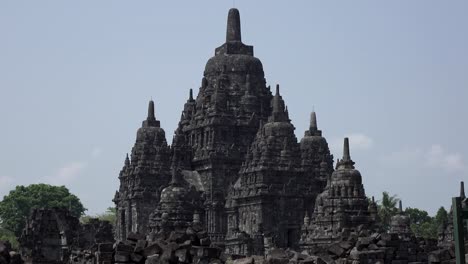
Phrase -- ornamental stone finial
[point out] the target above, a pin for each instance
(127, 160)
(175, 179)
(346, 155)
(233, 31)
(151, 119)
(151, 115)
(313, 121)
(462, 190)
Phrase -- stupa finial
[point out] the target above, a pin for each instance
(233, 31)
(462, 190)
(346, 155)
(151, 115)
(313, 121)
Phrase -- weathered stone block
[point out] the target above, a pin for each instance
(272, 260)
(178, 237)
(140, 245)
(105, 247)
(209, 252)
(336, 250)
(346, 245)
(137, 258)
(152, 249)
(121, 246)
(399, 262)
(121, 256)
(182, 255)
(205, 241)
(248, 260)
(153, 259)
(279, 253)
(103, 256)
(135, 236)
(373, 247)
(202, 234)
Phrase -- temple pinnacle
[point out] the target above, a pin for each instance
(127, 160)
(277, 90)
(313, 121)
(462, 190)
(191, 95)
(151, 111)
(400, 206)
(346, 156)
(175, 177)
(233, 31)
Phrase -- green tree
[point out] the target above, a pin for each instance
(441, 217)
(387, 208)
(7, 235)
(422, 224)
(16, 206)
(108, 215)
(425, 230)
(417, 216)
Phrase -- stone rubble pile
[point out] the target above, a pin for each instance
(386, 248)
(190, 246)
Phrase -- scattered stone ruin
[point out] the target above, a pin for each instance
(48, 235)
(52, 235)
(235, 186)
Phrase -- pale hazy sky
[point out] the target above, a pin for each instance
(76, 76)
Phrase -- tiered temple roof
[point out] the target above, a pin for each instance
(341, 208)
(142, 177)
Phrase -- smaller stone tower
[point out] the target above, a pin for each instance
(342, 208)
(401, 223)
(142, 177)
(177, 205)
(317, 162)
(270, 185)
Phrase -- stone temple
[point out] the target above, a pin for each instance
(235, 145)
(234, 186)
(236, 179)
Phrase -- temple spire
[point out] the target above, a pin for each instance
(400, 206)
(191, 95)
(175, 166)
(313, 121)
(127, 160)
(462, 190)
(151, 119)
(346, 155)
(233, 31)
(277, 90)
(151, 115)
